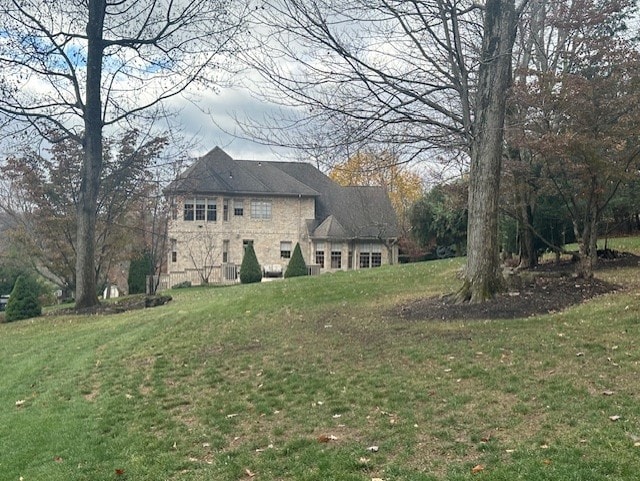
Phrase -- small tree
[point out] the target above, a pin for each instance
(250, 270)
(139, 269)
(23, 302)
(297, 266)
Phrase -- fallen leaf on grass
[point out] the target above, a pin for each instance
(377, 479)
(323, 438)
(119, 472)
(20, 403)
(608, 393)
(249, 473)
(373, 449)
(57, 459)
(547, 462)
(615, 417)
(477, 469)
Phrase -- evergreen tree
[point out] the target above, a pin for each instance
(24, 302)
(140, 268)
(250, 270)
(297, 266)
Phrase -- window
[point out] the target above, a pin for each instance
(174, 256)
(365, 260)
(350, 260)
(188, 210)
(212, 213)
(238, 207)
(370, 256)
(200, 208)
(261, 209)
(320, 254)
(285, 249)
(225, 209)
(246, 243)
(225, 251)
(174, 250)
(336, 259)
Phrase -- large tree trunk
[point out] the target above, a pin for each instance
(86, 294)
(483, 278)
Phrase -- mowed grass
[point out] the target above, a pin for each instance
(246, 382)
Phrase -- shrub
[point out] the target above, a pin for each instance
(297, 266)
(139, 269)
(250, 270)
(181, 285)
(23, 302)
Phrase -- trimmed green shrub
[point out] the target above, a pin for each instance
(250, 270)
(297, 266)
(23, 302)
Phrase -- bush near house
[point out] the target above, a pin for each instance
(24, 302)
(297, 266)
(250, 270)
(140, 268)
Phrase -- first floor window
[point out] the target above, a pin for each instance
(285, 249)
(261, 209)
(320, 254)
(225, 251)
(370, 256)
(174, 250)
(336, 256)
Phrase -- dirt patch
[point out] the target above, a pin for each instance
(551, 287)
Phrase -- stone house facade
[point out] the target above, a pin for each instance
(219, 205)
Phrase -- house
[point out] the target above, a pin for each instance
(220, 205)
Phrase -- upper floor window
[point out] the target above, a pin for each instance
(238, 207)
(200, 210)
(225, 209)
(261, 209)
(189, 210)
(212, 212)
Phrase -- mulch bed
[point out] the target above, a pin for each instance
(551, 287)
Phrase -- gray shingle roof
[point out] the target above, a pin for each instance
(341, 212)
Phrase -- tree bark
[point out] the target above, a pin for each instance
(483, 278)
(86, 293)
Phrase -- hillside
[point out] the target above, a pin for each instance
(322, 378)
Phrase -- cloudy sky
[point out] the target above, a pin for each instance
(211, 122)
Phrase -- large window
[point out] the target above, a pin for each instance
(200, 210)
(285, 249)
(370, 256)
(320, 254)
(336, 256)
(261, 209)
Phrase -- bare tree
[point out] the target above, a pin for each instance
(422, 74)
(78, 67)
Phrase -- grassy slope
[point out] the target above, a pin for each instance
(227, 381)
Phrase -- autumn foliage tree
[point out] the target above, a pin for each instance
(369, 168)
(45, 218)
(582, 116)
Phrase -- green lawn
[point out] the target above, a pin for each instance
(244, 382)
